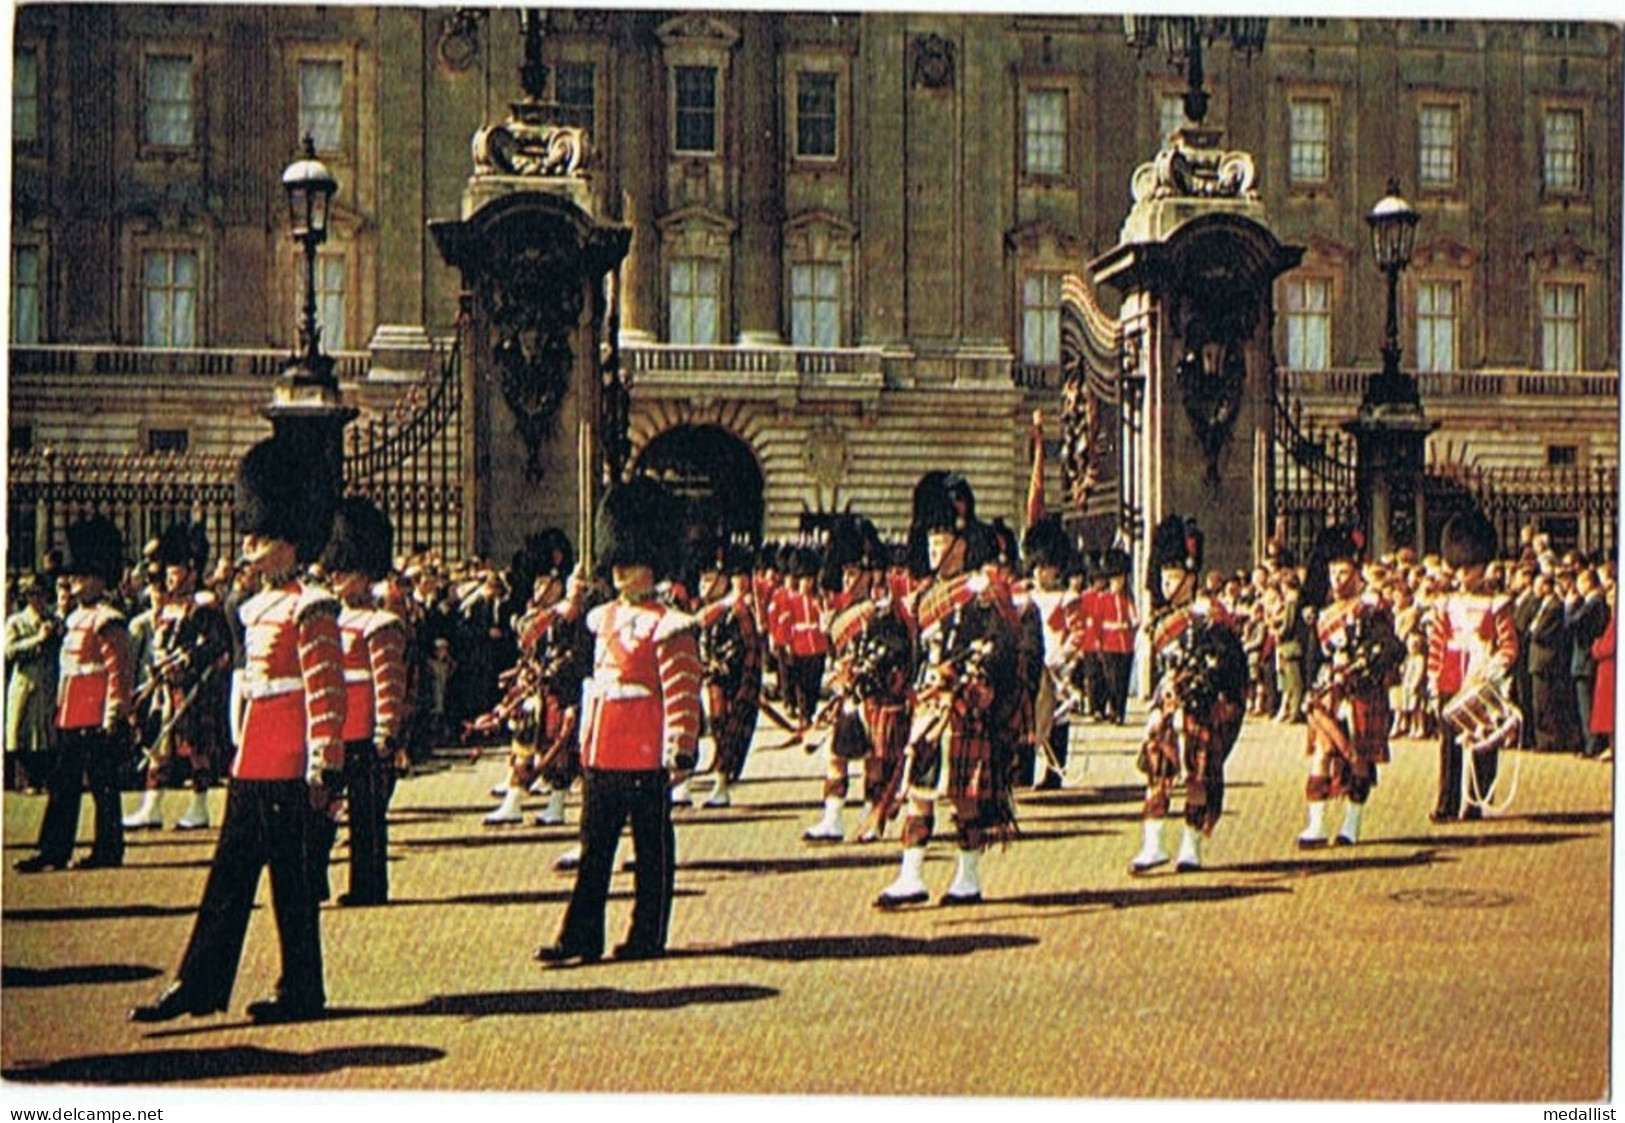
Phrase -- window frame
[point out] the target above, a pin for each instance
(1328, 104)
(817, 69)
(1458, 115)
(695, 262)
(1048, 312)
(42, 311)
(312, 58)
(1548, 111)
(676, 70)
(1543, 319)
(1296, 284)
(836, 305)
(171, 249)
(590, 66)
(1062, 134)
(34, 144)
(145, 145)
(1457, 321)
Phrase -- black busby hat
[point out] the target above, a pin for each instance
(183, 544)
(853, 541)
(637, 524)
(362, 540)
(1177, 542)
(1114, 563)
(944, 501)
(732, 558)
(551, 554)
(1469, 539)
(1339, 543)
(95, 549)
(279, 496)
(1002, 547)
(1046, 543)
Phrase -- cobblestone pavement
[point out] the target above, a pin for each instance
(1460, 962)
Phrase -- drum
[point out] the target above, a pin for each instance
(1483, 718)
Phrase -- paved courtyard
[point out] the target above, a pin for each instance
(1462, 962)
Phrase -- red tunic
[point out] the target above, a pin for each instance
(804, 624)
(293, 679)
(93, 688)
(373, 643)
(642, 705)
(1115, 621)
(1602, 701)
(1470, 632)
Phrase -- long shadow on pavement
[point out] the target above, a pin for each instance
(867, 946)
(75, 974)
(170, 1066)
(1567, 818)
(1149, 895)
(1493, 838)
(539, 897)
(1313, 867)
(98, 912)
(878, 857)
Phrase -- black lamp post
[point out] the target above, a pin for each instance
(1182, 37)
(1393, 238)
(310, 187)
(306, 406)
(1390, 429)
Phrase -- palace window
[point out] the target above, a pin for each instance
(25, 104)
(169, 297)
(815, 305)
(574, 90)
(1311, 140)
(816, 121)
(1041, 320)
(1309, 323)
(330, 302)
(321, 103)
(1045, 119)
(1435, 27)
(1170, 115)
(174, 441)
(168, 101)
(696, 301)
(27, 295)
(1560, 151)
(1562, 456)
(1436, 145)
(1560, 322)
(696, 109)
(1437, 320)
(1564, 31)
(1307, 22)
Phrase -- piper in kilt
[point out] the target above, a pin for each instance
(966, 697)
(1348, 710)
(873, 642)
(1197, 705)
(731, 654)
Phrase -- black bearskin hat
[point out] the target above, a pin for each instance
(732, 558)
(95, 549)
(1469, 539)
(944, 501)
(638, 524)
(1046, 543)
(1114, 563)
(185, 544)
(278, 496)
(853, 541)
(1334, 543)
(1177, 542)
(1002, 547)
(362, 540)
(551, 554)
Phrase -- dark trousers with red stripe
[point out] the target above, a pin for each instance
(267, 823)
(609, 799)
(369, 781)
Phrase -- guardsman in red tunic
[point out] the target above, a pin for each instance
(1118, 621)
(290, 757)
(1049, 555)
(1198, 703)
(1472, 645)
(641, 722)
(1359, 659)
(373, 645)
(93, 704)
(191, 666)
(802, 625)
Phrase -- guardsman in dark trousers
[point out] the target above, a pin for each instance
(642, 722)
(730, 652)
(290, 754)
(93, 703)
(373, 643)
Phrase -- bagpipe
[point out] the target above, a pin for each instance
(156, 711)
(1198, 674)
(1366, 663)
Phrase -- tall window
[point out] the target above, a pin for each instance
(573, 89)
(1437, 320)
(27, 306)
(696, 109)
(1436, 26)
(330, 303)
(169, 298)
(815, 114)
(321, 103)
(815, 305)
(1560, 336)
(25, 95)
(1046, 132)
(1564, 31)
(1309, 324)
(696, 301)
(1560, 150)
(1170, 115)
(1041, 319)
(168, 108)
(1436, 136)
(1311, 140)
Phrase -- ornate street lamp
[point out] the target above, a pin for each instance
(1182, 39)
(310, 187)
(1393, 238)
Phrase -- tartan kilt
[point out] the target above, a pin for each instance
(1373, 717)
(733, 724)
(974, 770)
(888, 725)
